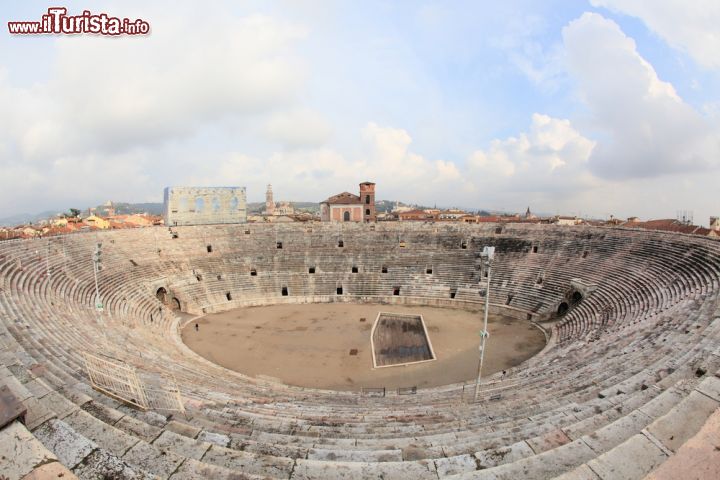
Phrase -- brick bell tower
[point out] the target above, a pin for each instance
(367, 198)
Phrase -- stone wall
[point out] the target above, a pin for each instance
(204, 205)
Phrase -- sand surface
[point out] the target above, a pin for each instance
(310, 345)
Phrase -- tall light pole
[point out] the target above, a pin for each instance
(486, 257)
(97, 266)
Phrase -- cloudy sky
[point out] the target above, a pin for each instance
(591, 108)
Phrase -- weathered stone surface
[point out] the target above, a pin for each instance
(150, 459)
(54, 470)
(37, 413)
(104, 464)
(455, 465)
(683, 421)
(214, 438)
(104, 413)
(545, 465)
(499, 456)
(69, 446)
(106, 436)
(699, 457)
(187, 447)
(617, 432)
(583, 472)
(20, 452)
(355, 455)
(193, 470)
(633, 458)
(249, 463)
(204, 205)
(315, 470)
(710, 387)
(137, 428)
(550, 440)
(184, 429)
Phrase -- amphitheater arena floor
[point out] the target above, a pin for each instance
(309, 345)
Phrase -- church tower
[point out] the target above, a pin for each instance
(367, 199)
(269, 202)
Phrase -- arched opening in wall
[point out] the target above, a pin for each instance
(396, 291)
(562, 309)
(253, 272)
(341, 244)
(162, 295)
(278, 245)
(215, 204)
(339, 290)
(453, 291)
(535, 249)
(175, 305)
(209, 248)
(428, 271)
(228, 295)
(346, 216)
(498, 230)
(354, 270)
(367, 200)
(576, 297)
(367, 211)
(311, 270)
(383, 269)
(463, 244)
(199, 205)
(284, 291)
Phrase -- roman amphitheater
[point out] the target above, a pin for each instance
(623, 383)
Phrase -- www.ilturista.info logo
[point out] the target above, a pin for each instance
(57, 21)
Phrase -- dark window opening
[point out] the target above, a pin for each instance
(228, 296)
(253, 273)
(485, 273)
(384, 269)
(585, 254)
(452, 293)
(209, 248)
(311, 270)
(367, 211)
(529, 316)
(498, 230)
(247, 232)
(346, 217)
(161, 294)
(539, 281)
(562, 309)
(219, 277)
(279, 244)
(428, 271)
(284, 291)
(509, 299)
(463, 244)
(367, 200)
(354, 270)
(198, 277)
(339, 290)
(396, 291)
(576, 297)
(535, 248)
(341, 244)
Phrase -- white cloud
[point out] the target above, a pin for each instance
(551, 151)
(688, 26)
(645, 128)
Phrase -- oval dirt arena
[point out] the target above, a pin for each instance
(328, 345)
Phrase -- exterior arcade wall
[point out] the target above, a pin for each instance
(204, 205)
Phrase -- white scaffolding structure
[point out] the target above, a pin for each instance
(120, 380)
